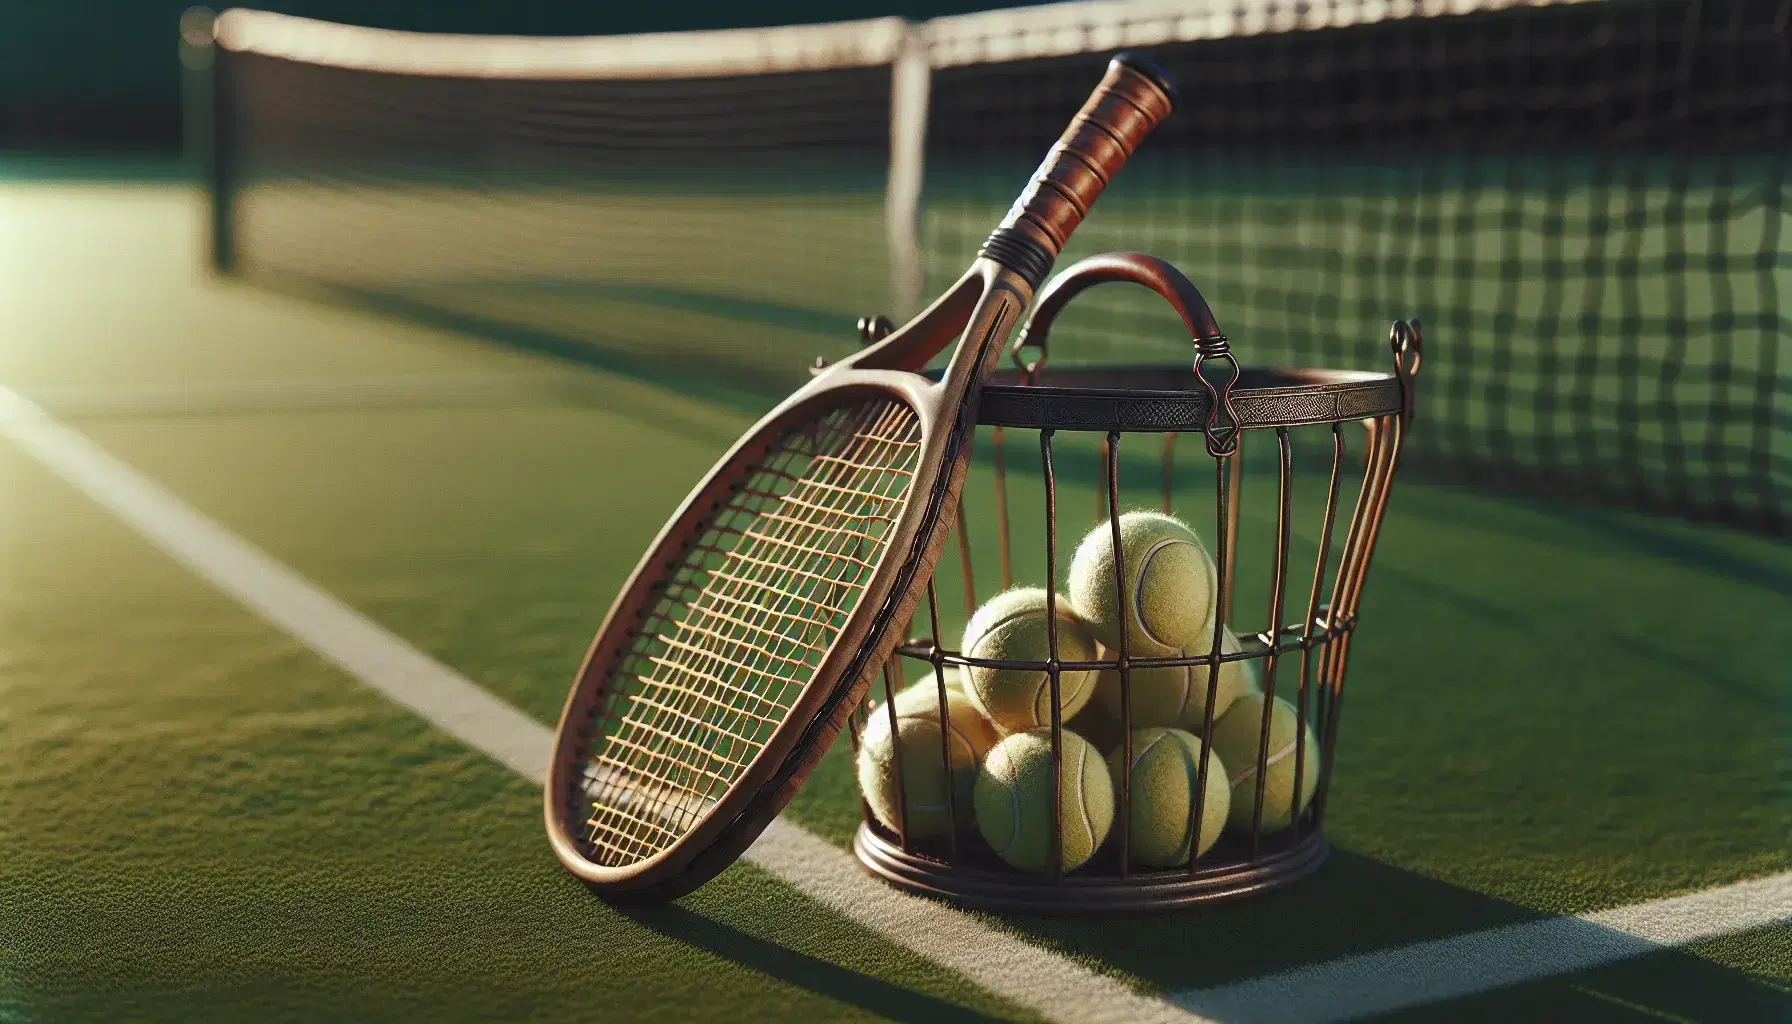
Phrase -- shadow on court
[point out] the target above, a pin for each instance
(1580, 528)
(1351, 904)
(1355, 905)
(812, 974)
(742, 384)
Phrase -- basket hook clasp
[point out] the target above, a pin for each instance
(1221, 428)
(1211, 348)
(1408, 344)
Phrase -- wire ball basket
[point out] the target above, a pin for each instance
(1101, 431)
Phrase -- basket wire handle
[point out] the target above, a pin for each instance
(1211, 347)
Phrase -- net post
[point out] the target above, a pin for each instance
(205, 126)
(220, 165)
(911, 76)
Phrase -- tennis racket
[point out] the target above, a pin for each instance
(754, 624)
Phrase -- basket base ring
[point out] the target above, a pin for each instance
(1000, 890)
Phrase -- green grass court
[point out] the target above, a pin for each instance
(1613, 323)
(1551, 710)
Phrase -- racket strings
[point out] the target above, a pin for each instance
(681, 801)
(813, 579)
(823, 484)
(743, 622)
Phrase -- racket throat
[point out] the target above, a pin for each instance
(1018, 251)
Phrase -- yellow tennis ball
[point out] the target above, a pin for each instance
(1013, 795)
(1166, 767)
(1012, 627)
(1170, 585)
(969, 736)
(1237, 739)
(1176, 695)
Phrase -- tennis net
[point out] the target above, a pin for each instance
(1583, 201)
(631, 198)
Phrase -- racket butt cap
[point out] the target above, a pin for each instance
(1148, 69)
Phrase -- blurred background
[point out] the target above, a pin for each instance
(1583, 201)
(448, 327)
(101, 76)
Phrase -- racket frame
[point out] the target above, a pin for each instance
(979, 312)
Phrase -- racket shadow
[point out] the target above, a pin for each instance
(812, 974)
(746, 388)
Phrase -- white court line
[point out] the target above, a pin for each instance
(1431, 972)
(1049, 985)
(1052, 986)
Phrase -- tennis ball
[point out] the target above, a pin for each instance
(1176, 695)
(1013, 796)
(1012, 626)
(1236, 739)
(924, 775)
(1166, 766)
(1170, 585)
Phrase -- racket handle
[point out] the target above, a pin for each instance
(1132, 98)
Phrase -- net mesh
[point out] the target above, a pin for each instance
(741, 622)
(1584, 203)
(567, 200)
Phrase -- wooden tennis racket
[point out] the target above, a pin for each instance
(754, 624)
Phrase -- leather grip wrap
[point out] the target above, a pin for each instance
(1131, 99)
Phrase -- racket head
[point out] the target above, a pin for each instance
(730, 648)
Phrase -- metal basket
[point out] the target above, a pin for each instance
(1304, 652)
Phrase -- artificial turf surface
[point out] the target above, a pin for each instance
(1550, 710)
(1618, 329)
